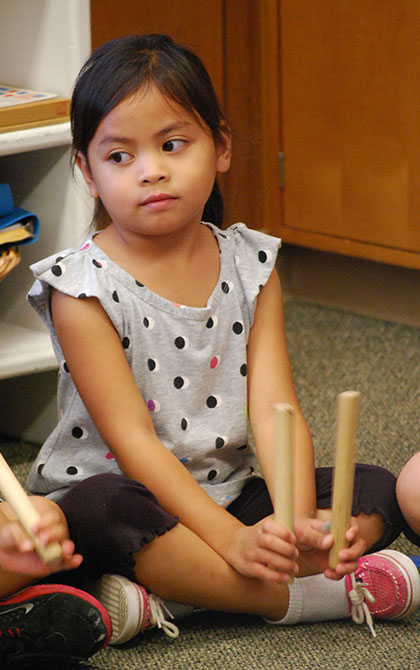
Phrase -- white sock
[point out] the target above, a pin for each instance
(316, 599)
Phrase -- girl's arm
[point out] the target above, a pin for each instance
(104, 380)
(269, 382)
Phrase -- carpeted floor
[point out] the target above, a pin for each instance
(331, 351)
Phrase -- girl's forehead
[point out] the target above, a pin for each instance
(151, 104)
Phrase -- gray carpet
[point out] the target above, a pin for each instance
(331, 351)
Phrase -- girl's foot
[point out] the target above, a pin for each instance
(131, 608)
(386, 585)
(51, 622)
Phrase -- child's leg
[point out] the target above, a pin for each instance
(408, 494)
(180, 566)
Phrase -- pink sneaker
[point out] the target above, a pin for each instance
(386, 585)
(131, 608)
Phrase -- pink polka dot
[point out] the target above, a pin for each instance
(176, 304)
(214, 362)
(109, 456)
(85, 246)
(151, 405)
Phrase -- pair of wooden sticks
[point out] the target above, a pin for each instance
(345, 455)
(346, 430)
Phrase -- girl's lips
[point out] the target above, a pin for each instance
(159, 201)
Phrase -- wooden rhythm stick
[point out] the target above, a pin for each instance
(28, 516)
(345, 455)
(284, 509)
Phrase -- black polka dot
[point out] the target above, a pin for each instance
(212, 474)
(262, 256)
(211, 402)
(56, 270)
(139, 283)
(82, 295)
(40, 468)
(146, 322)
(237, 327)
(210, 323)
(151, 364)
(244, 446)
(178, 382)
(72, 470)
(179, 342)
(115, 297)
(59, 258)
(243, 370)
(225, 287)
(184, 424)
(65, 367)
(77, 432)
(126, 342)
(96, 263)
(219, 442)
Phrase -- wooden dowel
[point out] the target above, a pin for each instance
(22, 506)
(284, 486)
(345, 457)
(284, 508)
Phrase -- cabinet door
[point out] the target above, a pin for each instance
(350, 88)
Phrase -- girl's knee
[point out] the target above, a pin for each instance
(408, 492)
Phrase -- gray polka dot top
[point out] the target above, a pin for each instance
(189, 364)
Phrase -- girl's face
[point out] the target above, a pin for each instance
(153, 165)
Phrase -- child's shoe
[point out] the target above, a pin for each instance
(386, 585)
(51, 623)
(131, 608)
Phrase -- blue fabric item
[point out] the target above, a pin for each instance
(9, 214)
(416, 561)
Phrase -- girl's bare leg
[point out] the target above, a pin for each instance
(180, 566)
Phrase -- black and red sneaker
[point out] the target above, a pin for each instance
(51, 623)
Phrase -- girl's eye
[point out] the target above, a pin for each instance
(119, 157)
(173, 145)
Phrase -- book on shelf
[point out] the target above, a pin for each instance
(17, 225)
(17, 233)
(21, 108)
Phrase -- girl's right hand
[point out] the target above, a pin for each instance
(266, 550)
(17, 550)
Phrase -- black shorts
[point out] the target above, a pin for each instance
(112, 517)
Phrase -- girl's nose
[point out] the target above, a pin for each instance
(152, 170)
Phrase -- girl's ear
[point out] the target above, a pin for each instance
(83, 165)
(224, 149)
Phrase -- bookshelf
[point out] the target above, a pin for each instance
(43, 47)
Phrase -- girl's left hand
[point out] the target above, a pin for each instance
(314, 540)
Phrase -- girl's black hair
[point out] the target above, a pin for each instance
(118, 69)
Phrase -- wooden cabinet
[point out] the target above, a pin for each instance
(350, 118)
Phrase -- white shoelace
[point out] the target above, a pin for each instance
(359, 610)
(158, 617)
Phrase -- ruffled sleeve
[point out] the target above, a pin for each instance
(81, 273)
(255, 259)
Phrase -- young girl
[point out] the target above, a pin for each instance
(169, 334)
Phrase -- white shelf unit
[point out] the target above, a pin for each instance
(44, 43)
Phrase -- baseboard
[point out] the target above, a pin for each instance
(353, 284)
